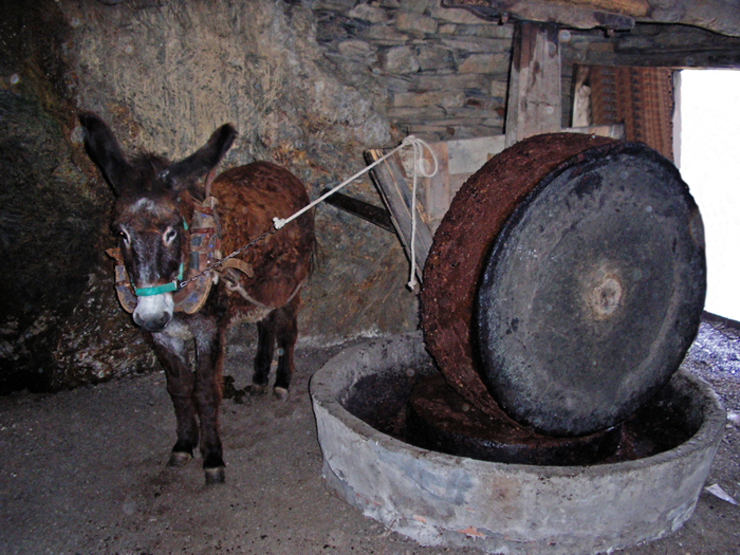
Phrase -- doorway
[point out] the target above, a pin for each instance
(707, 152)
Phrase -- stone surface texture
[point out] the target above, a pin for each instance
(463, 239)
(309, 84)
(74, 490)
(436, 72)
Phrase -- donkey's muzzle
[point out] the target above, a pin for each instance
(153, 313)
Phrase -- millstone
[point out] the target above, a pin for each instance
(567, 283)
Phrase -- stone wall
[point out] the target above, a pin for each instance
(436, 72)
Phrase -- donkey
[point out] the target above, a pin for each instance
(162, 218)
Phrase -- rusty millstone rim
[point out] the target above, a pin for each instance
(465, 236)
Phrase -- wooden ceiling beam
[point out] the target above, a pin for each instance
(719, 16)
(675, 46)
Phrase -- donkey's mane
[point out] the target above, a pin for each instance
(147, 168)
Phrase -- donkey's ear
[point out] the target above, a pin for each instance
(186, 173)
(103, 149)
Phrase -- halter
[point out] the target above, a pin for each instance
(167, 287)
(159, 289)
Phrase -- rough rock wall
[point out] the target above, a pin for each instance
(164, 74)
(50, 216)
(309, 84)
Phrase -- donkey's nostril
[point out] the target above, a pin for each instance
(153, 324)
(158, 324)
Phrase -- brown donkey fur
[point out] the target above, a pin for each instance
(154, 205)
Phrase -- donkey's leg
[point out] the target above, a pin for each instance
(209, 341)
(265, 351)
(286, 332)
(172, 354)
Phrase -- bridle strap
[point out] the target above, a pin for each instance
(159, 289)
(165, 288)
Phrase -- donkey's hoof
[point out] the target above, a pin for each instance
(256, 389)
(280, 393)
(215, 475)
(179, 459)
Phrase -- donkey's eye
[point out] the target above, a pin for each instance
(169, 235)
(124, 236)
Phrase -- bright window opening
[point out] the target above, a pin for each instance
(708, 155)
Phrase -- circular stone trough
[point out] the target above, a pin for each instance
(440, 499)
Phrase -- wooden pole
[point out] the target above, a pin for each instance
(534, 104)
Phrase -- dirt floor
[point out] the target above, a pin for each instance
(82, 472)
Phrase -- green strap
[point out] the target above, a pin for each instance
(159, 289)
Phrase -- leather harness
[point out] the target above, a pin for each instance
(205, 251)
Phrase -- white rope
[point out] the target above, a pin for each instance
(419, 168)
(278, 222)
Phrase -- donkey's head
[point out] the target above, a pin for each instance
(148, 217)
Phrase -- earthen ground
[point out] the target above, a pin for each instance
(83, 472)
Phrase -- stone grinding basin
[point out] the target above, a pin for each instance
(440, 499)
(563, 288)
